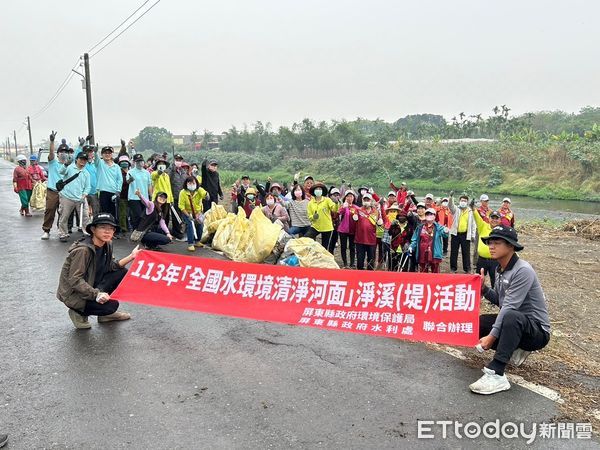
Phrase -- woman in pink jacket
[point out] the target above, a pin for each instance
(347, 227)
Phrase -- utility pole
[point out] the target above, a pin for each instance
(30, 142)
(16, 148)
(88, 96)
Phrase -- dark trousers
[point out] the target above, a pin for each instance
(489, 268)
(347, 242)
(108, 283)
(325, 236)
(456, 242)
(108, 205)
(517, 331)
(300, 231)
(136, 209)
(368, 251)
(176, 227)
(153, 239)
(332, 241)
(93, 204)
(380, 252)
(445, 245)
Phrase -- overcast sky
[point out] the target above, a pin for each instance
(192, 64)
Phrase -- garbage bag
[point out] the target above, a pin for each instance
(310, 253)
(263, 235)
(38, 196)
(211, 221)
(238, 237)
(282, 240)
(223, 232)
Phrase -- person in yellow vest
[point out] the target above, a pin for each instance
(190, 205)
(484, 258)
(160, 180)
(462, 232)
(319, 212)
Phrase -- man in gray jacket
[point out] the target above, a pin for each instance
(523, 324)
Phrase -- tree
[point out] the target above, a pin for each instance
(194, 139)
(155, 139)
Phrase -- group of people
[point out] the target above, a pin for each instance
(154, 199)
(397, 232)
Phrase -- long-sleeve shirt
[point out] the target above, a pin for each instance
(141, 181)
(110, 178)
(23, 179)
(365, 232)
(518, 288)
(161, 183)
(80, 186)
(91, 168)
(483, 230)
(150, 209)
(298, 214)
(323, 208)
(191, 202)
(36, 172)
(211, 182)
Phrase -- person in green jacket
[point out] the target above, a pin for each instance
(319, 212)
(484, 258)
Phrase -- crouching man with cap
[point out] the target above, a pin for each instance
(523, 324)
(90, 274)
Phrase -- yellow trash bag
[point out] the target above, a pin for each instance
(223, 232)
(38, 196)
(263, 235)
(238, 238)
(211, 219)
(311, 254)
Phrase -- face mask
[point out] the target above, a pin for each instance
(250, 197)
(194, 171)
(444, 203)
(318, 192)
(366, 203)
(62, 157)
(429, 218)
(462, 204)
(70, 157)
(298, 194)
(392, 215)
(178, 163)
(124, 165)
(270, 202)
(22, 163)
(162, 167)
(191, 187)
(139, 164)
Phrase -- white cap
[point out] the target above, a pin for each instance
(429, 196)
(21, 158)
(484, 198)
(506, 199)
(334, 191)
(430, 211)
(367, 196)
(391, 193)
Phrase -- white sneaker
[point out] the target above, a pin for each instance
(490, 383)
(518, 357)
(45, 236)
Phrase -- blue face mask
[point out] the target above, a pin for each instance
(318, 192)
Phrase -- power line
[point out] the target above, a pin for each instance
(125, 29)
(117, 27)
(61, 88)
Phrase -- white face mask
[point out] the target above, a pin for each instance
(250, 197)
(318, 192)
(462, 204)
(444, 203)
(162, 167)
(366, 203)
(270, 202)
(191, 187)
(194, 171)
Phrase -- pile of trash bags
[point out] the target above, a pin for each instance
(258, 240)
(38, 196)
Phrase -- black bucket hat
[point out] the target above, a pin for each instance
(509, 234)
(102, 218)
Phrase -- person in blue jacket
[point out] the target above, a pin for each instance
(110, 182)
(427, 243)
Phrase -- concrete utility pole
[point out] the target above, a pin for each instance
(30, 142)
(16, 148)
(88, 96)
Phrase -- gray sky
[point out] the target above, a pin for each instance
(192, 64)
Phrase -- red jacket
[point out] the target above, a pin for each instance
(23, 179)
(37, 173)
(365, 232)
(249, 206)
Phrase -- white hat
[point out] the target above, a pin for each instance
(430, 211)
(506, 199)
(21, 158)
(429, 196)
(367, 195)
(484, 198)
(334, 191)
(391, 193)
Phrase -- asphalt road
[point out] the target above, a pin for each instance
(175, 380)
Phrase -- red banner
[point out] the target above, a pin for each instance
(441, 308)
